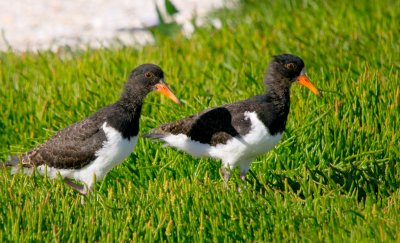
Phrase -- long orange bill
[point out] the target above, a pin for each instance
(163, 88)
(305, 81)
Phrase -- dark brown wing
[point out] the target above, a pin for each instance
(72, 148)
(212, 126)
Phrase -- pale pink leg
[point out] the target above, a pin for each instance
(243, 175)
(243, 172)
(226, 173)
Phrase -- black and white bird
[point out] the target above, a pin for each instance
(237, 133)
(87, 150)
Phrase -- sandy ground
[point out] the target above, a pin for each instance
(48, 24)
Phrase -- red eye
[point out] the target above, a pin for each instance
(290, 66)
(148, 75)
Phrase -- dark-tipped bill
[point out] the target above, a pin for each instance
(163, 88)
(305, 81)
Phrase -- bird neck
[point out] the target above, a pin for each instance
(126, 118)
(278, 94)
(277, 89)
(132, 96)
(129, 107)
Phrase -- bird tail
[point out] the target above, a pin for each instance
(15, 163)
(152, 135)
(155, 133)
(12, 161)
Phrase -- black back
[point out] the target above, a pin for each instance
(218, 125)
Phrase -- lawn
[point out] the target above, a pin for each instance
(334, 176)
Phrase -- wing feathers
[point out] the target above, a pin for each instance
(212, 126)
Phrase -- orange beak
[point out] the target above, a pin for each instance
(305, 81)
(163, 88)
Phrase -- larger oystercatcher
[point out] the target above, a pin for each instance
(238, 132)
(87, 150)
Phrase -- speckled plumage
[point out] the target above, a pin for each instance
(113, 129)
(75, 146)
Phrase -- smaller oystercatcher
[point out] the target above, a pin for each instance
(87, 150)
(239, 132)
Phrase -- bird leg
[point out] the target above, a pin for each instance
(226, 173)
(243, 172)
(80, 188)
(243, 175)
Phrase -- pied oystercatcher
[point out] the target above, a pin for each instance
(237, 133)
(87, 150)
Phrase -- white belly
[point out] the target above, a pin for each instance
(237, 151)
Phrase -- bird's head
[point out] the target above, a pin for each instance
(146, 78)
(286, 69)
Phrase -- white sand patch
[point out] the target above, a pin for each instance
(48, 24)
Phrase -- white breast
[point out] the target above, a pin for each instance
(238, 150)
(114, 150)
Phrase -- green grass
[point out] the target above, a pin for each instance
(334, 176)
